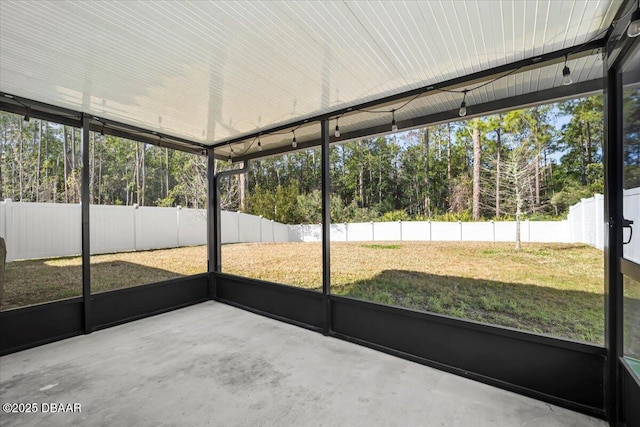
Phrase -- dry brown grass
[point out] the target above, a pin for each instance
(546, 288)
(549, 288)
(36, 281)
(559, 266)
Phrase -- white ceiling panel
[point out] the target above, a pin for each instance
(212, 71)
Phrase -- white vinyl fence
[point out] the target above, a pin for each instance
(587, 222)
(631, 203)
(490, 231)
(47, 230)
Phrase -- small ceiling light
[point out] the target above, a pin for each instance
(337, 132)
(294, 143)
(230, 153)
(229, 161)
(394, 125)
(463, 107)
(102, 130)
(566, 73)
(27, 115)
(259, 145)
(634, 25)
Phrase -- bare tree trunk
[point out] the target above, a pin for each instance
(136, 173)
(37, 189)
(427, 201)
(589, 151)
(519, 201)
(166, 170)
(449, 153)
(73, 148)
(242, 186)
(537, 181)
(583, 163)
(380, 178)
(64, 164)
(92, 168)
(20, 165)
(439, 147)
(477, 160)
(47, 192)
(313, 168)
(361, 175)
(498, 162)
(100, 178)
(537, 147)
(144, 173)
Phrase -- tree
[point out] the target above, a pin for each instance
(518, 168)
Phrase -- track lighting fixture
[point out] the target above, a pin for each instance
(634, 25)
(259, 145)
(337, 132)
(27, 115)
(394, 125)
(230, 153)
(294, 143)
(463, 106)
(566, 73)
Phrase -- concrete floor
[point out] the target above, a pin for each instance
(212, 364)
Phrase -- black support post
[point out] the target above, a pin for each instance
(613, 239)
(85, 202)
(326, 225)
(213, 235)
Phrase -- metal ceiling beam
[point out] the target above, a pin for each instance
(39, 110)
(480, 76)
(535, 98)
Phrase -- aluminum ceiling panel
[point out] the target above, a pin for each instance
(211, 71)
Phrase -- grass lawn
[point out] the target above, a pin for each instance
(548, 288)
(43, 280)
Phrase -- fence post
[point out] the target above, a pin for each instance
(273, 232)
(493, 227)
(135, 227)
(460, 223)
(400, 222)
(583, 225)
(7, 225)
(430, 234)
(260, 218)
(346, 231)
(373, 232)
(178, 208)
(598, 220)
(239, 219)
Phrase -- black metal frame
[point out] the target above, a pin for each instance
(86, 246)
(27, 327)
(326, 226)
(30, 326)
(565, 373)
(622, 386)
(587, 378)
(40, 110)
(544, 96)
